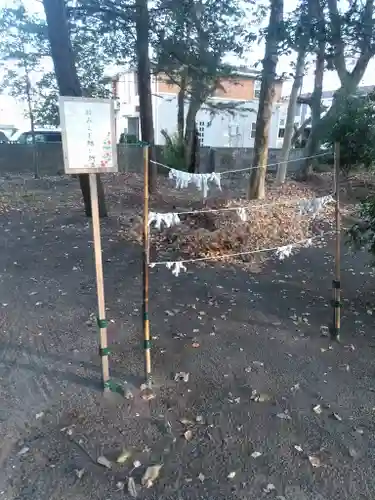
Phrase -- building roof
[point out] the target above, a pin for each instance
(245, 71)
(328, 94)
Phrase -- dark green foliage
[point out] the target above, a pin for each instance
(353, 127)
(174, 151)
(362, 234)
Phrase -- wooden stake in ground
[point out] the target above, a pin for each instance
(102, 322)
(336, 285)
(89, 147)
(146, 261)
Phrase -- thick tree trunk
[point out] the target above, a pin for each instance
(181, 112)
(292, 107)
(32, 121)
(144, 81)
(190, 135)
(267, 94)
(67, 81)
(313, 143)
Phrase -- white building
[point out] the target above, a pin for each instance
(216, 130)
(303, 111)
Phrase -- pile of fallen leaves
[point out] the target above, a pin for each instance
(273, 222)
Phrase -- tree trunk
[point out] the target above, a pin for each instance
(292, 107)
(32, 121)
(266, 98)
(67, 81)
(181, 110)
(349, 79)
(313, 143)
(190, 135)
(144, 81)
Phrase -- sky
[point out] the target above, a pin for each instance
(12, 112)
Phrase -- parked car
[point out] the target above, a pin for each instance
(41, 135)
(3, 137)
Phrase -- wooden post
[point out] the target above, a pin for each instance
(336, 284)
(146, 262)
(102, 322)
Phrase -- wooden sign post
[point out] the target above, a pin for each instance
(336, 284)
(89, 146)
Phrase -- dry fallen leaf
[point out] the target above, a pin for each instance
(128, 394)
(317, 409)
(201, 477)
(298, 448)
(182, 376)
(256, 454)
(120, 485)
(284, 416)
(79, 473)
(147, 394)
(231, 475)
(124, 455)
(151, 474)
(336, 416)
(314, 461)
(188, 435)
(23, 451)
(186, 421)
(102, 460)
(132, 489)
(353, 452)
(261, 398)
(270, 487)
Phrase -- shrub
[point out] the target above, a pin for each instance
(353, 127)
(362, 234)
(174, 151)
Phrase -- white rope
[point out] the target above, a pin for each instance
(170, 263)
(252, 207)
(251, 168)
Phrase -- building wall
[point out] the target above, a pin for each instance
(231, 88)
(220, 130)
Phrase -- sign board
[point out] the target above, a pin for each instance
(88, 135)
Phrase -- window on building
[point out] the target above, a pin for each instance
(253, 130)
(257, 85)
(135, 83)
(201, 128)
(281, 133)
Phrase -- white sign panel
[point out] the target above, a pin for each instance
(88, 135)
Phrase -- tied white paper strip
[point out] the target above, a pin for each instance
(169, 219)
(284, 252)
(242, 214)
(315, 205)
(183, 179)
(175, 267)
(287, 250)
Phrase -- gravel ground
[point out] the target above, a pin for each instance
(271, 409)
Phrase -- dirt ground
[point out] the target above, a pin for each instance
(272, 409)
